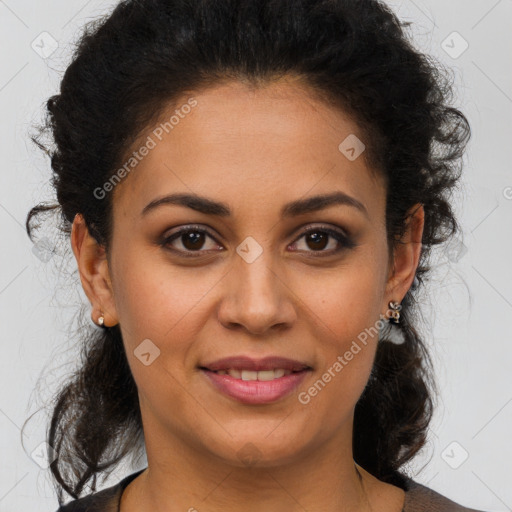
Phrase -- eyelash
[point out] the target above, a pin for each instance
(343, 240)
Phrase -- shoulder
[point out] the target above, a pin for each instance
(106, 500)
(419, 498)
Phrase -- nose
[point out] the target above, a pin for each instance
(257, 297)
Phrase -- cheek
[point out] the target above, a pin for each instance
(165, 305)
(344, 303)
(157, 300)
(343, 311)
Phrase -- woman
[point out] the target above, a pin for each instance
(252, 191)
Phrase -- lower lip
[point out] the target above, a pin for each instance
(255, 391)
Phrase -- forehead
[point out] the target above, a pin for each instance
(247, 145)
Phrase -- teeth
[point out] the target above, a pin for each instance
(263, 375)
(266, 375)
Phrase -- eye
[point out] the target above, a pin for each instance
(317, 239)
(191, 238)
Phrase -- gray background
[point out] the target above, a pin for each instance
(468, 328)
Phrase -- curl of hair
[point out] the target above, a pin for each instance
(354, 54)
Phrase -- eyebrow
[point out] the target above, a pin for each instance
(299, 207)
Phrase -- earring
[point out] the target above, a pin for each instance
(395, 312)
(101, 320)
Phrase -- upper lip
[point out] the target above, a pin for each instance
(248, 363)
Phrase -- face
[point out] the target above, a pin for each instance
(256, 275)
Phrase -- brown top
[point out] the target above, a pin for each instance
(418, 498)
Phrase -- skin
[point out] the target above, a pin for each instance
(256, 150)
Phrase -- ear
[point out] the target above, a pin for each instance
(94, 273)
(406, 255)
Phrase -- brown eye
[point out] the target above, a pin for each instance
(192, 239)
(317, 239)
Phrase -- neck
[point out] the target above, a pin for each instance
(181, 477)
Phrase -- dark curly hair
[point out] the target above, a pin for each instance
(354, 54)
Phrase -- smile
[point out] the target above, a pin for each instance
(255, 387)
(263, 375)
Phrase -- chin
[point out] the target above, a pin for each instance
(259, 451)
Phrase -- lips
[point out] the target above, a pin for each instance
(248, 364)
(262, 375)
(255, 381)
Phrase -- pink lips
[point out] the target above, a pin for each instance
(255, 391)
(247, 363)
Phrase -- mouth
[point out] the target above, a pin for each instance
(249, 364)
(252, 381)
(251, 375)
